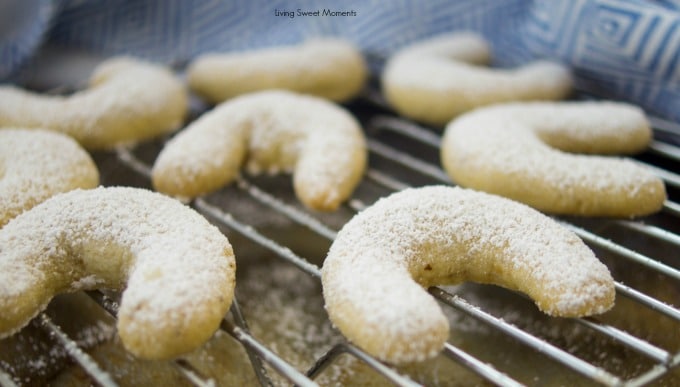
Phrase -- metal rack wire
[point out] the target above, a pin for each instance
(663, 360)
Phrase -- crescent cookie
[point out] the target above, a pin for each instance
(38, 164)
(525, 152)
(437, 79)
(128, 101)
(381, 263)
(269, 131)
(329, 68)
(176, 269)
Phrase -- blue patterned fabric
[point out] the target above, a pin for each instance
(623, 49)
(620, 49)
(22, 26)
(178, 30)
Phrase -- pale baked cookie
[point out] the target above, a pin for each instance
(433, 81)
(127, 101)
(177, 270)
(38, 164)
(525, 152)
(327, 68)
(269, 131)
(381, 263)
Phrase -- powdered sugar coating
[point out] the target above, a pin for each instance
(37, 164)
(177, 270)
(128, 101)
(326, 67)
(269, 131)
(521, 151)
(376, 271)
(439, 78)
